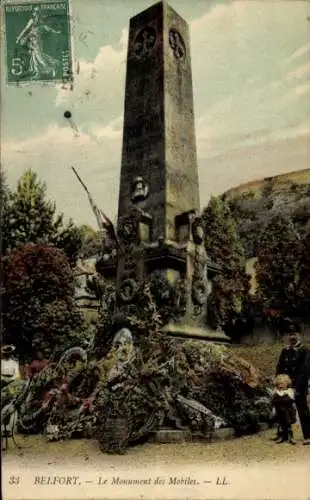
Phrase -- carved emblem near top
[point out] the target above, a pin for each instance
(139, 190)
(144, 43)
(177, 44)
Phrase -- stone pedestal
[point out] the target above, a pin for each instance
(185, 330)
(166, 436)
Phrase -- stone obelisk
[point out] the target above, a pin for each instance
(159, 131)
(158, 225)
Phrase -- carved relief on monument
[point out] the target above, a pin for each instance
(197, 231)
(144, 43)
(129, 262)
(199, 288)
(139, 190)
(128, 290)
(127, 229)
(177, 44)
(161, 288)
(181, 287)
(199, 292)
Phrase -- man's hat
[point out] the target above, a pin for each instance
(292, 327)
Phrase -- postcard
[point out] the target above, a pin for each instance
(155, 216)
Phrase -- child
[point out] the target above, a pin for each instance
(283, 402)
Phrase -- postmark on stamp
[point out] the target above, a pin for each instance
(38, 42)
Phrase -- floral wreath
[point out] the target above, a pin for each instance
(123, 294)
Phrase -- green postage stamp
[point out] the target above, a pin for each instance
(38, 41)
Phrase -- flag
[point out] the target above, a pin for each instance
(104, 223)
(107, 225)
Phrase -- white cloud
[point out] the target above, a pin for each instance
(300, 72)
(303, 89)
(252, 163)
(100, 80)
(111, 131)
(52, 136)
(240, 88)
(219, 14)
(246, 96)
(52, 153)
(290, 97)
(276, 136)
(298, 53)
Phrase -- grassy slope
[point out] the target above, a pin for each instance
(264, 356)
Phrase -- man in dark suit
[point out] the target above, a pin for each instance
(294, 360)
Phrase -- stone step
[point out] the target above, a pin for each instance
(185, 331)
(165, 436)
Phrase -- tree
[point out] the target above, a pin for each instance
(250, 213)
(39, 308)
(4, 199)
(223, 245)
(32, 219)
(303, 284)
(277, 267)
(91, 241)
(69, 239)
(222, 240)
(4, 213)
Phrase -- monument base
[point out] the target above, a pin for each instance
(183, 330)
(168, 436)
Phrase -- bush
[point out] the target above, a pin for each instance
(39, 308)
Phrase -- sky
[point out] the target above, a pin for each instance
(251, 79)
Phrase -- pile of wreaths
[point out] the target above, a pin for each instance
(192, 385)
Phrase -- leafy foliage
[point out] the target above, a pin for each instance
(223, 245)
(145, 318)
(148, 393)
(274, 225)
(91, 242)
(4, 212)
(250, 213)
(303, 285)
(30, 218)
(40, 312)
(277, 266)
(254, 209)
(222, 240)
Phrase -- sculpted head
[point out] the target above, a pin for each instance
(123, 344)
(36, 13)
(139, 189)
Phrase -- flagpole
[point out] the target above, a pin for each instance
(91, 201)
(101, 218)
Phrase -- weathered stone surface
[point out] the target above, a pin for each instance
(187, 330)
(165, 436)
(159, 132)
(159, 227)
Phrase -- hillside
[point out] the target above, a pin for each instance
(254, 203)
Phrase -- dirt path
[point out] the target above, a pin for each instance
(252, 449)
